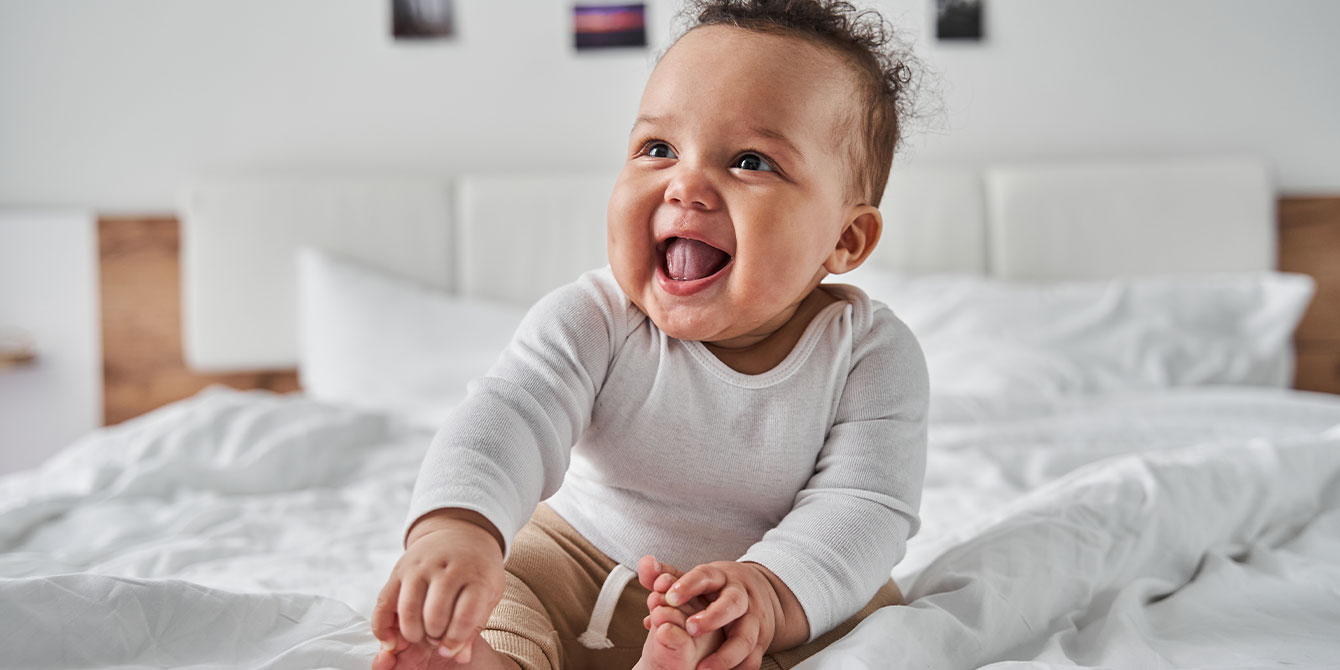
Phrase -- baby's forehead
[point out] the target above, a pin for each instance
(761, 78)
(792, 72)
(791, 50)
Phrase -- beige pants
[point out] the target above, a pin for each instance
(553, 578)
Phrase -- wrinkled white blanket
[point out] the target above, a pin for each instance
(1189, 528)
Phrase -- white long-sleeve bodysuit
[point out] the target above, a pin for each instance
(647, 444)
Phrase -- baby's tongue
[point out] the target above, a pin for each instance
(687, 259)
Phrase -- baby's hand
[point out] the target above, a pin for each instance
(442, 589)
(738, 597)
(657, 578)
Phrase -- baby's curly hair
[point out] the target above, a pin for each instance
(884, 66)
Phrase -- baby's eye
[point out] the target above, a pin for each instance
(753, 162)
(660, 150)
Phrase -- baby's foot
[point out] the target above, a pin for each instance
(670, 647)
(424, 657)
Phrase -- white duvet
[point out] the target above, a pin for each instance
(1194, 528)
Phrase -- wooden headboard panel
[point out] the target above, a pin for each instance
(143, 366)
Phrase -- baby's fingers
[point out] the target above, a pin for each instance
(410, 609)
(731, 604)
(384, 614)
(740, 650)
(696, 582)
(472, 611)
(437, 608)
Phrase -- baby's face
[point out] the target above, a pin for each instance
(732, 196)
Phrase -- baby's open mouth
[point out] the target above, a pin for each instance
(686, 259)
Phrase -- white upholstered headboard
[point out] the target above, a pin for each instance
(1097, 220)
(514, 237)
(239, 244)
(547, 228)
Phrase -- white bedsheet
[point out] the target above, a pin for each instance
(1191, 528)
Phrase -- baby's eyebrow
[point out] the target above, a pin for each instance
(646, 118)
(776, 135)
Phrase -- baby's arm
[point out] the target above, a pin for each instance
(850, 524)
(506, 446)
(504, 449)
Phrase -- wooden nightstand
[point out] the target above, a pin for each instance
(1309, 242)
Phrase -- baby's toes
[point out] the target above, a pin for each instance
(663, 582)
(667, 614)
(655, 600)
(673, 639)
(384, 660)
(669, 645)
(647, 570)
(420, 657)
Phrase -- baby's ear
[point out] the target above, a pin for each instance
(858, 239)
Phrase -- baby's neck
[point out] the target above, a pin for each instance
(752, 358)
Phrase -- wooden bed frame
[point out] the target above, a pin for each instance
(143, 367)
(142, 363)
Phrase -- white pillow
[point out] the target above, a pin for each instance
(376, 341)
(989, 336)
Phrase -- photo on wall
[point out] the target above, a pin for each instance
(422, 19)
(958, 20)
(609, 26)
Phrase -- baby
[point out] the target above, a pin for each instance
(703, 403)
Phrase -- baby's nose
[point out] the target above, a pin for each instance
(692, 187)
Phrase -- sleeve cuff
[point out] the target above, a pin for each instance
(792, 572)
(500, 520)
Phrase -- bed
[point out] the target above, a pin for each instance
(1119, 474)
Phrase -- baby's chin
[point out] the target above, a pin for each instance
(711, 317)
(687, 323)
(707, 321)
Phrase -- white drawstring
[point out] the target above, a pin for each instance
(596, 631)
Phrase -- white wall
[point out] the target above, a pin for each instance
(109, 105)
(1069, 78)
(48, 289)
